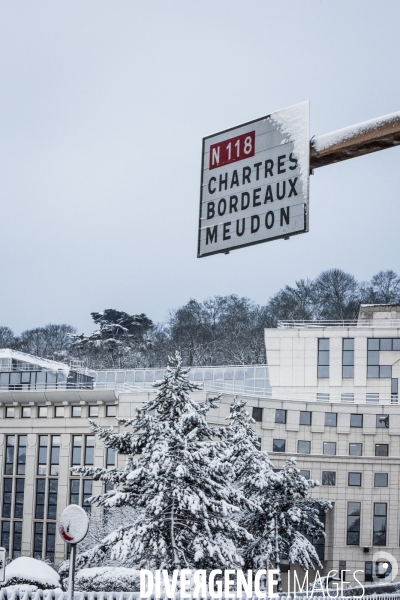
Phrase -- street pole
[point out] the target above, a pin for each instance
(369, 136)
(71, 579)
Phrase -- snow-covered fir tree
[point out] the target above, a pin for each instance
(178, 478)
(280, 514)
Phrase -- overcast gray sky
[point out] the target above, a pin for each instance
(103, 108)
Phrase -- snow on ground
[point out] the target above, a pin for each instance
(108, 579)
(32, 570)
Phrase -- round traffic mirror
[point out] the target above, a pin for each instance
(73, 524)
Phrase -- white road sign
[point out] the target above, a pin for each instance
(254, 182)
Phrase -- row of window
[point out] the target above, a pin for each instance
(329, 478)
(305, 418)
(60, 411)
(329, 448)
(379, 523)
(374, 369)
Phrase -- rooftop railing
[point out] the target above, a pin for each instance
(369, 323)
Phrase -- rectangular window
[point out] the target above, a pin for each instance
(42, 412)
(353, 523)
(381, 449)
(76, 449)
(305, 417)
(94, 411)
(74, 491)
(50, 541)
(395, 390)
(354, 479)
(368, 571)
(87, 492)
(303, 447)
(9, 463)
(110, 456)
(26, 412)
(380, 480)
(54, 454)
(89, 449)
(111, 410)
(356, 420)
(280, 415)
(42, 457)
(380, 516)
(348, 358)
(382, 421)
(323, 358)
(330, 448)
(7, 497)
(40, 498)
(38, 541)
(10, 412)
(305, 473)
(17, 539)
(347, 398)
(372, 398)
(385, 371)
(328, 477)
(5, 535)
(19, 498)
(76, 411)
(21, 455)
(322, 397)
(330, 419)
(256, 413)
(355, 449)
(59, 412)
(385, 344)
(52, 499)
(278, 446)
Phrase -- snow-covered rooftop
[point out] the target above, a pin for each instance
(45, 363)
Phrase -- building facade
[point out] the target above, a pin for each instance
(329, 397)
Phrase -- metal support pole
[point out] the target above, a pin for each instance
(71, 579)
(356, 140)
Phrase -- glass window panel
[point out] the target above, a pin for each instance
(280, 415)
(149, 376)
(385, 344)
(59, 412)
(26, 377)
(330, 448)
(50, 541)
(38, 541)
(110, 377)
(323, 344)
(305, 473)
(330, 419)
(372, 398)
(42, 412)
(52, 499)
(76, 449)
(328, 477)
(323, 372)
(323, 358)
(87, 493)
(396, 344)
(348, 357)
(385, 371)
(17, 539)
(7, 497)
(373, 344)
(347, 398)
(382, 421)
(381, 449)
(19, 498)
(10, 412)
(76, 411)
(355, 449)
(373, 357)
(303, 447)
(139, 376)
(74, 491)
(239, 374)
(380, 509)
(89, 450)
(355, 479)
(41, 378)
(15, 378)
(5, 535)
(26, 412)
(348, 344)
(381, 480)
(356, 420)
(208, 375)
(257, 413)
(40, 498)
(305, 417)
(373, 372)
(120, 376)
(322, 397)
(279, 445)
(353, 538)
(110, 458)
(348, 373)
(9, 463)
(111, 410)
(21, 457)
(354, 508)
(93, 411)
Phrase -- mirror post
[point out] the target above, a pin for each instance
(71, 579)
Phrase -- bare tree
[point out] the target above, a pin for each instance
(383, 289)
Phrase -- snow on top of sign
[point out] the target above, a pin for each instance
(73, 524)
(293, 123)
(33, 570)
(340, 135)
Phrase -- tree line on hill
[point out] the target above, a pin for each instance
(216, 331)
